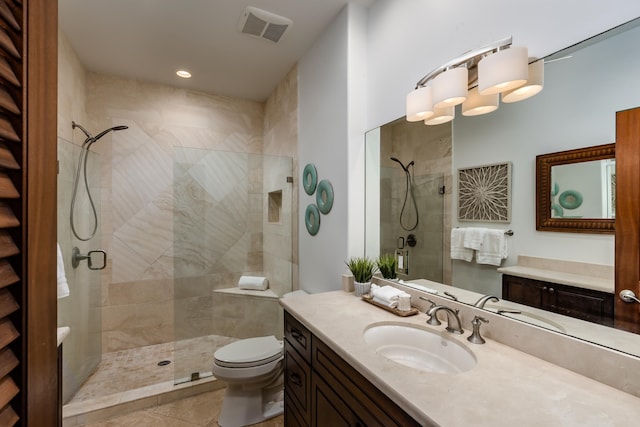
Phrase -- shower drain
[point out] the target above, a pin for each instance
(164, 362)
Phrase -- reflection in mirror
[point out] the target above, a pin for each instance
(407, 167)
(559, 118)
(575, 190)
(583, 190)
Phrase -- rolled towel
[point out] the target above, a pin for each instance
(392, 304)
(254, 283)
(387, 295)
(63, 285)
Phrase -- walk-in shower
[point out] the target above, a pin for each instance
(181, 224)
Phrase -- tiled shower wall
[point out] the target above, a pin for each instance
(139, 297)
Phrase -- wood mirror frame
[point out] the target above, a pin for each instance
(544, 162)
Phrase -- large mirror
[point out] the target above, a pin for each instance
(584, 87)
(575, 190)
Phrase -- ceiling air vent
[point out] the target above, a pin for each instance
(262, 24)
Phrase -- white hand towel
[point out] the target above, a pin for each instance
(392, 304)
(387, 294)
(254, 283)
(63, 285)
(473, 237)
(458, 251)
(494, 248)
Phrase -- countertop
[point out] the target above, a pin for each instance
(577, 280)
(506, 388)
(63, 332)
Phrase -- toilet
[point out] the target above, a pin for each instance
(253, 369)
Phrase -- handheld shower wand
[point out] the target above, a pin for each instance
(408, 189)
(82, 165)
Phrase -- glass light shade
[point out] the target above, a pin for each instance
(419, 105)
(442, 115)
(450, 87)
(477, 104)
(534, 84)
(504, 70)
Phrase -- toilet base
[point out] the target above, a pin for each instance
(242, 407)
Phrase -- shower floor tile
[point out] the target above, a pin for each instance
(136, 368)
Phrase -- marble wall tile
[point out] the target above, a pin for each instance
(174, 207)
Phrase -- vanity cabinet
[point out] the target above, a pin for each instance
(585, 304)
(322, 389)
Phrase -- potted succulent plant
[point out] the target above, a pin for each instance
(362, 269)
(387, 265)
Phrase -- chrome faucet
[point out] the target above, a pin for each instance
(452, 317)
(482, 301)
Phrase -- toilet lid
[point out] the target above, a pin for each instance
(249, 352)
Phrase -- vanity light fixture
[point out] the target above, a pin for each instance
(475, 79)
(184, 74)
(419, 104)
(442, 115)
(450, 87)
(477, 104)
(534, 84)
(504, 70)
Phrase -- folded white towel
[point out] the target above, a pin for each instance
(473, 237)
(386, 294)
(63, 285)
(458, 251)
(392, 304)
(254, 283)
(493, 249)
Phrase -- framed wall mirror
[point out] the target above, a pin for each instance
(575, 190)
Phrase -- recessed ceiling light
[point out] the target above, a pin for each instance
(184, 74)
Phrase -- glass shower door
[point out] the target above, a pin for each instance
(232, 217)
(81, 310)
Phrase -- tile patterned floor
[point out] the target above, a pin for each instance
(135, 368)
(201, 410)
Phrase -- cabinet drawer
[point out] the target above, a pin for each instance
(298, 336)
(297, 381)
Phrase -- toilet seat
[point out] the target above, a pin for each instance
(250, 352)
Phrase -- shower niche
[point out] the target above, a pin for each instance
(274, 206)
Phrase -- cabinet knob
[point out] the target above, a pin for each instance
(295, 379)
(551, 290)
(297, 335)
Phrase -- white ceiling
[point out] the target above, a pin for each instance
(150, 39)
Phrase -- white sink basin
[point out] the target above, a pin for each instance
(419, 348)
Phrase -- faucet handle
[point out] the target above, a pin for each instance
(475, 336)
(433, 304)
(433, 318)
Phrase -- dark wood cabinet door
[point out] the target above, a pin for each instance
(585, 304)
(329, 408)
(591, 307)
(522, 291)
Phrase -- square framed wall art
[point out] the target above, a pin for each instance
(484, 193)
